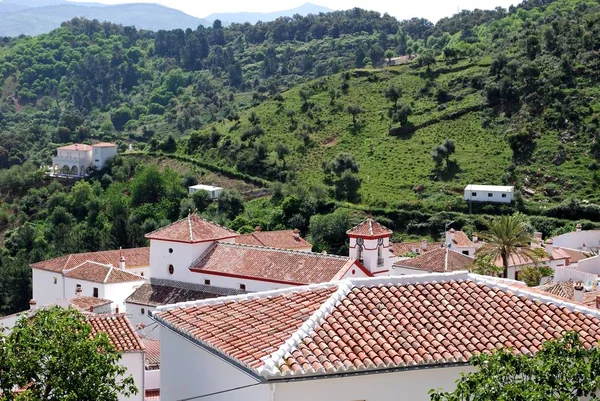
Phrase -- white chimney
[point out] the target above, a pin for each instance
(32, 305)
(78, 291)
(548, 246)
(122, 263)
(537, 236)
(578, 227)
(475, 238)
(296, 234)
(450, 238)
(258, 228)
(424, 244)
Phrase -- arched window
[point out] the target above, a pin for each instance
(380, 252)
(359, 249)
(171, 269)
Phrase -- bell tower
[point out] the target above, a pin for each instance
(370, 245)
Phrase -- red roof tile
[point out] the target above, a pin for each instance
(284, 239)
(370, 228)
(249, 329)
(119, 330)
(134, 257)
(518, 260)
(379, 324)
(439, 260)
(152, 347)
(105, 145)
(461, 240)
(558, 253)
(192, 229)
(271, 264)
(402, 248)
(76, 146)
(84, 303)
(97, 273)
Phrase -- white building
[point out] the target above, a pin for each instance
(370, 245)
(358, 339)
(111, 275)
(214, 192)
(76, 159)
(458, 241)
(489, 193)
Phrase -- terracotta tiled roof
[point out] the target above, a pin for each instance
(560, 289)
(284, 239)
(163, 292)
(134, 257)
(85, 303)
(558, 253)
(461, 240)
(152, 347)
(575, 254)
(439, 260)
(402, 248)
(98, 273)
(105, 145)
(249, 329)
(370, 228)
(271, 264)
(192, 229)
(76, 146)
(119, 330)
(383, 323)
(518, 260)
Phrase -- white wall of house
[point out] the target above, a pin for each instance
(569, 273)
(134, 363)
(152, 379)
(189, 371)
(489, 193)
(236, 283)
(354, 272)
(410, 385)
(47, 286)
(589, 265)
(138, 314)
(100, 155)
(378, 259)
(214, 192)
(577, 239)
(180, 255)
(118, 292)
(87, 288)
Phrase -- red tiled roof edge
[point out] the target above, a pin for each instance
(191, 239)
(348, 266)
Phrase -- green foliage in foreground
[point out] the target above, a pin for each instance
(54, 357)
(563, 370)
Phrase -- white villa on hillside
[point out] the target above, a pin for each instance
(383, 338)
(489, 193)
(213, 191)
(76, 159)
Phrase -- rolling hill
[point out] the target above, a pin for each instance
(35, 18)
(253, 18)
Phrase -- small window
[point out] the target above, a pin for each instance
(142, 274)
(243, 287)
(78, 288)
(96, 160)
(207, 282)
(490, 194)
(171, 269)
(55, 280)
(170, 250)
(504, 195)
(95, 292)
(465, 253)
(474, 194)
(142, 311)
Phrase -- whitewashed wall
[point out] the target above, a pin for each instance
(118, 292)
(189, 371)
(370, 255)
(134, 362)
(45, 291)
(152, 379)
(135, 316)
(565, 274)
(576, 239)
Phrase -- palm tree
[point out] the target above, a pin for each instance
(507, 236)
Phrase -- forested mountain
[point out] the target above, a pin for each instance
(253, 18)
(34, 18)
(307, 108)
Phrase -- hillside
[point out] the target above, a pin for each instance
(253, 18)
(34, 19)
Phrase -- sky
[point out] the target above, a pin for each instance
(401, 9)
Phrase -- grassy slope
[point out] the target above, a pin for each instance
(397, 164)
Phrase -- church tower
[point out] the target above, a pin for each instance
(370, 245)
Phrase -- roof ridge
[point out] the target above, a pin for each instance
(83, 263)
(108, 274)
(277, 358)
(189, 218)
(282, 250)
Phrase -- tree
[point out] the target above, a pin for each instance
(54, 356)
(389, 55)
(341, 173)
(443, 152)
(393, 93)
(532, 275)
(202, 200)
(354, 110)
(564, 369)
(120, 117)
(507, 236)
(426, 60)
(485, 266)
(402, 114)
(230, 203)
(328, 232)
(282, 151)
